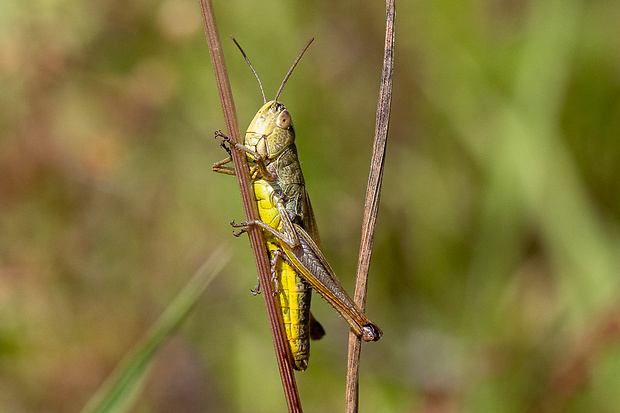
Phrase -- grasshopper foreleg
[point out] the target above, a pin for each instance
(220, 166)
(242, 148)
(227, 143)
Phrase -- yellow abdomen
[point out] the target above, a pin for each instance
(293, 291)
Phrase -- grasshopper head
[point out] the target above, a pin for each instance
(271, 131)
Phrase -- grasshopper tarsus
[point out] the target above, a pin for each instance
(256, 290)
(245, 226)
(225, 143)
(241, 232)
(220, 134)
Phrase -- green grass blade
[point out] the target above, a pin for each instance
(119, 391)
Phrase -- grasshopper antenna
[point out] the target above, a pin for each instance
(252, 67)
(293, 67)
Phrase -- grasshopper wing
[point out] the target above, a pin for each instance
(309, 260)
(309, 223)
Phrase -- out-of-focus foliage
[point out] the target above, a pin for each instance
(496, 263)
(119, 391)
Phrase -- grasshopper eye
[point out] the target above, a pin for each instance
(284, 120)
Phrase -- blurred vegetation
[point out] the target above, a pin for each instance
(495, 271)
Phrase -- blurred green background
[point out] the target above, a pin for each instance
(495, 274)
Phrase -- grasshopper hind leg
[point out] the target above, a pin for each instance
(256, 290)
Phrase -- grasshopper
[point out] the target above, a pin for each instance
(291, 233)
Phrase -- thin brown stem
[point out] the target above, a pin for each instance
(373, 193)
(256, 236)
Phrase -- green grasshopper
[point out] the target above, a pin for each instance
(291, 233)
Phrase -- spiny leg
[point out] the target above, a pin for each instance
(285, 258)
(278, 254)
(275, 255)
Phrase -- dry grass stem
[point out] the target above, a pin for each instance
(256, 237)
(373, 193)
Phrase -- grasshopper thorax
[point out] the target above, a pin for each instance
(271, 131)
